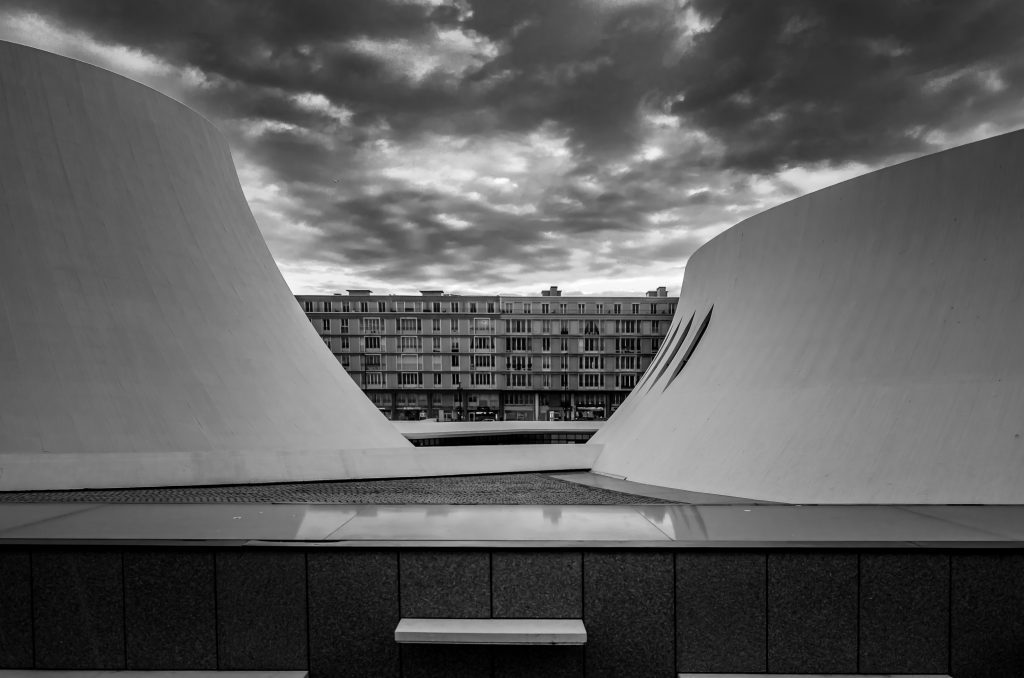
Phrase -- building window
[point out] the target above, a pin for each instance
(455, 307)
(655, 327)
(527, 308)
(409, 325)
(481, 379)
(490, 307)
(472, 307)
(627, 362)
(371, 361)
(561, 309)
(565, 346)
(592, 327)
(520, 344)
(519, 380)
(654, 309)
(343, 323)
(308, 306)
(520, 363)
(627, 345)
(591, 362)
(410, 379)
(483, 362)
(369, 325)
(455, 325)
(506, 307)
(518, 326)
(592, 380)
(344, 358)
(346, 307)
(325, 325)
(409, 343)
(564, 362)
(436, 306)
(483, 344)
(626, 326)
(616, 308)
(564, 381)
(435, 344)
(371, 343)
(592, 345)
(671, 309)
(636, 309)
(455, 361)
(456, 379)
(455, 344)
(344, 343)
(381, 307)
(625, 380)
(327, 341)
(481, 324)
(582, 308)
(364, 307)
(545, 362)
(437, 378)
(545, 381)
(374, 379)
(655, 344)
(600, 308)
(545, 308)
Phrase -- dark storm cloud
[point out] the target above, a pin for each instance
(478, 139)
(797, 81)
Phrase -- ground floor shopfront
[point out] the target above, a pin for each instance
(496, 405)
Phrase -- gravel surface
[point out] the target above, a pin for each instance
(510, 488)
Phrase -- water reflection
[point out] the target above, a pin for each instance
(499, 523)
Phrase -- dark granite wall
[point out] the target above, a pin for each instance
(648, 612)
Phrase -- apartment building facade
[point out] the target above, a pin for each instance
(461, 357)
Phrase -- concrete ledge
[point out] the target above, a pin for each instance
(29, 673)
(72, 471)
(815, 675)
(492, 631)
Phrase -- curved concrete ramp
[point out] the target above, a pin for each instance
(143, 321)
(861, 344)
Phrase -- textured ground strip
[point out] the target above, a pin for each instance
(512, 488)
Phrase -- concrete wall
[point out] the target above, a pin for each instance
(140, 311)
(648, 613)
(866, 345)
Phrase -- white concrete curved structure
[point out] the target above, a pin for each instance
(866, 346)
(146, 334)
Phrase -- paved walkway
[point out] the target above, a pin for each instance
(507, 489)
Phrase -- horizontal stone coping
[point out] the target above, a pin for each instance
(492, 631)
(47, 673)
(815, 675)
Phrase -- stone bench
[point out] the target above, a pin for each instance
(492, 631)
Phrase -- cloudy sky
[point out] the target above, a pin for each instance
(505, 145)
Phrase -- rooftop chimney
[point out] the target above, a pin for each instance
(359, 292)
(553, 291)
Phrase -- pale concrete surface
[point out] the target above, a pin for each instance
(146, 334)
(866, 346)
(132, 469)
(49, 673)
(440, 429)
(492, 631)
(665, 493)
